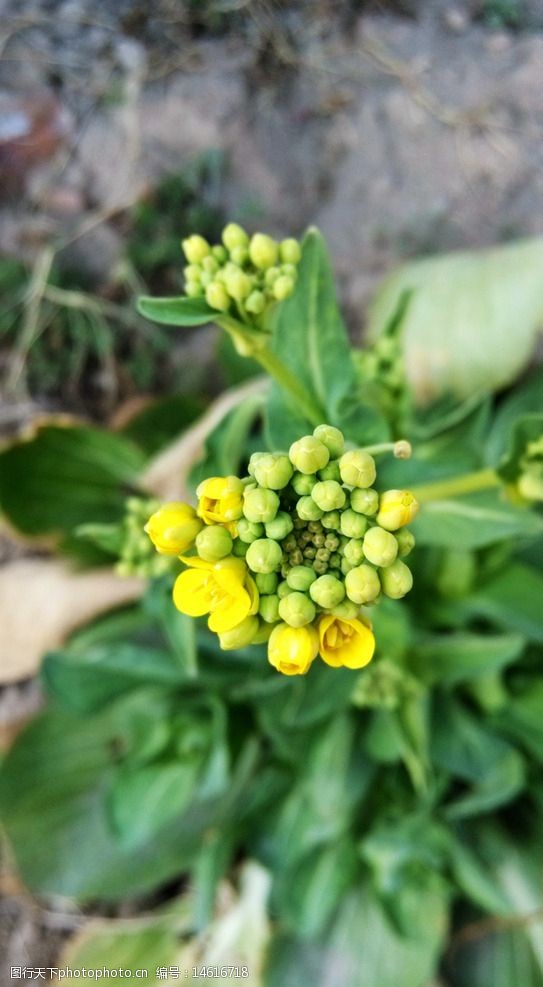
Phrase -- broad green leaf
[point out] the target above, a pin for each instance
(52, 798)
(310, 338)
(502, 783)
(525, 399)
(473, 522)
(66, 476)
(452, 658)
(513, 600)
(307, 894)
(142, 800)
(522, 719)
(472, 320)
(180, 311)
(163, 420)
(85, 679)
(178, 630)
(227, 446)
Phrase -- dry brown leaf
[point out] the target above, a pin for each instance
(166, 475)
(43, 600)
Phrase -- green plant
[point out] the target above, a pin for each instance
(394, 807)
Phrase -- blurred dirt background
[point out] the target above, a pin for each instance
(399, 128)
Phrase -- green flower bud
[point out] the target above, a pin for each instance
(365, 501)
(380, 546)
(260, 505)
(241, 635)
(406, 541)
(331, 471)
(271, 275)
(303, 483)
(354, 551)
(280, 527)
(256, 303)
(192, 272)
(396, 580)
(283, 589)
(263, 251)
(239, 256)
(249, 531)
(193, 289)
(289, 269)
(206, 279)
(283, 287)
(239, 548)
(300, 578)
(273, 470)
(296, 609)
(357, 468)
(266, 582)
(234, 236)
(331, 520)
(255, 456)
(345, 565)
(290, 251)
(195, 248)
(238, 284)
(347, 610)
(332, 438)
(328, 495)
(331, 542)
(268, 608)
(353, 525)
(210, 265)
(217, 297)
(220, 253)
(362, 584)
(335, 561)
(308, 510)
(213, 543)
(264, 555)
(327, 591)
(308, 454)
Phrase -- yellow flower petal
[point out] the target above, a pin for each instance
(345, 643)
(291, 650)
(191, 593)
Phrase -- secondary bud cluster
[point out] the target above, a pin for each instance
(293, 552)
(242, 275)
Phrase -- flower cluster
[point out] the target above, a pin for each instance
(243, 275)
(292, 552)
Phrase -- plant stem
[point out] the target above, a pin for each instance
(291, 384)
(457, 485)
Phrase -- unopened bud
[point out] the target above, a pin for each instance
(362, 584)
(300, 578)
(241, 635)
(220, 254)
(217, 297)
(264, 555)
(173, 528)
(268, 608)
(283, 287)
(365, 501)
(249, 531)
(290, 251)
(353, 525)
(260, 505)
(296, 610)
(346, 610)
(239, 256)
(234, 236)
(213, 543)
(329, 495)
(308, 454)
(266, 582)
(405, 540)
(331, 520)
(195, 248)
(273, 470)
(256, 303)
(331, 471)
(354, 551)
(357, 468)
(380, 546)
(280, 527)
(238, 284)
(332, 438)
(403, 449)
(303, 483)
(263, 251)
(396, 508)
(396, 580)
(327, 591)
(308, 510)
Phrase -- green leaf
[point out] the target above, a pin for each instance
(452, 658)
(473, 521)
(144, 799)
(310, 338)
(513, 600)
(306, 895)
(226, 447)
(163, 421)
(109, 537)
(522, 720)
(472, 320)
(525, 446)
(525, 399)
(66, 476)
(52, 799)
(180, 311)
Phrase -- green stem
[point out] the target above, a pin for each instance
(291, 384)
(457, 485)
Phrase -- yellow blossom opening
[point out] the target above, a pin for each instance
(396, 509)
(291, 650)
(221, 501)
(173, 528)
(224, 590)
(347, 643)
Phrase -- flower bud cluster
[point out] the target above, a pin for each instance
(136, 556)
(243, 275)
(294, 551)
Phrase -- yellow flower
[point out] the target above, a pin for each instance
(348, 643)
(396, 508)
(224, 590)
(292, 649)
(221, 501)
(173, 528)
